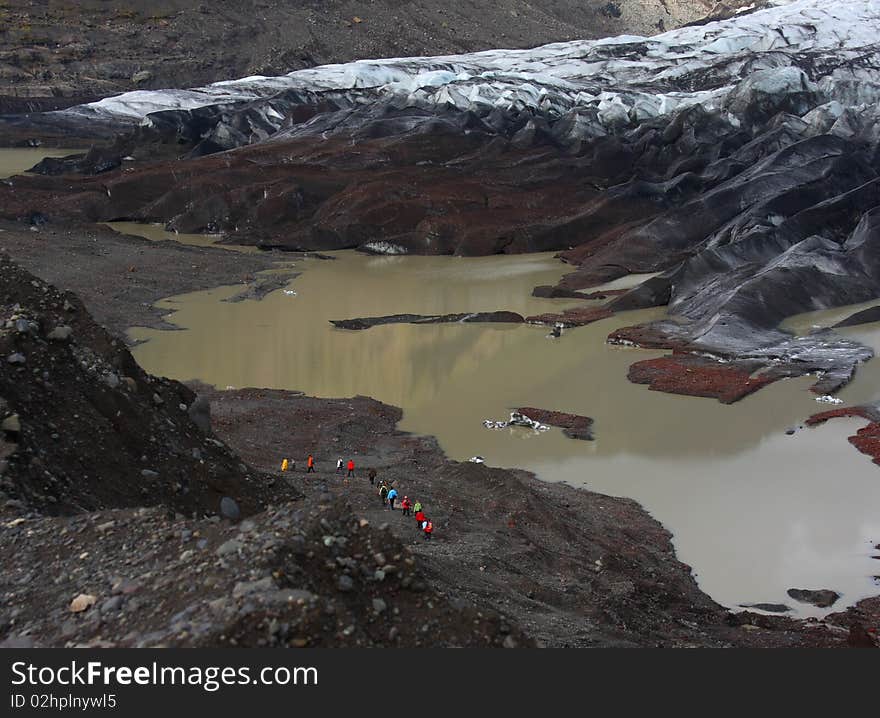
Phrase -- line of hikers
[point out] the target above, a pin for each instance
(387, 493)
(290, 465)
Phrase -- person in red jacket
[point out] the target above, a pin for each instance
(351, 467)
(428, 528)
(406, 506)
(420, 518)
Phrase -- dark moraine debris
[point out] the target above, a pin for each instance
(823, 598)
(501, 317)
(578, 317)
(574, 426)
(866, 316)
(548, 291)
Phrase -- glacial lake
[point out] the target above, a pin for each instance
(754, 511)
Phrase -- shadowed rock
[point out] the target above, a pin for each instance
(823, 598)
(502, 317)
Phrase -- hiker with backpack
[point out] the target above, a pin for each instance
(428, 528)
(406, 506)
(392, 495)
(383, 492)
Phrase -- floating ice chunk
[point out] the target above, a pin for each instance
(477, 460)
(827, 399)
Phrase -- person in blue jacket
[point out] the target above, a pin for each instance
(392, 494)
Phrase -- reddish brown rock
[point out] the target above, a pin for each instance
(822, 417)
(577, 317)
(574, 426)
(692, 375)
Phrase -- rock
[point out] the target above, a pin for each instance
(200, 413)
(229, 509)
(82, 602)
(114, 603)
(149, 474)
(767, 607)
(229, 547)
(11, 424)
(16, 358)
(141, 77)
(379, 605)
(822, 598)
(61, 333)
(345, 583)
(250, 587)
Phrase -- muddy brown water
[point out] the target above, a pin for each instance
(16, 160)
(752, 510)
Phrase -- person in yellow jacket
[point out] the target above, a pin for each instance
(285, 465)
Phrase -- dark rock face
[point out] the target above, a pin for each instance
(501, 317)
(823, 598)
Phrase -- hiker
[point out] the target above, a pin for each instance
(372, 475)
(420, 518)
(406, 506)
(428, 528)
(383, 492)
(417, 507)
(285, 465)
(392, 495)
(338, 465)
(350, 467)
(311, 465)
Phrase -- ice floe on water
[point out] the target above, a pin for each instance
(516, 419)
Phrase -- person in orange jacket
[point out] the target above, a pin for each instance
(428, 528)
(351, 467)
(311, 465)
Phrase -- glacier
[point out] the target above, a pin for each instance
(826, 48)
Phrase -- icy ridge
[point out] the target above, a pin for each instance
(828, 48)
